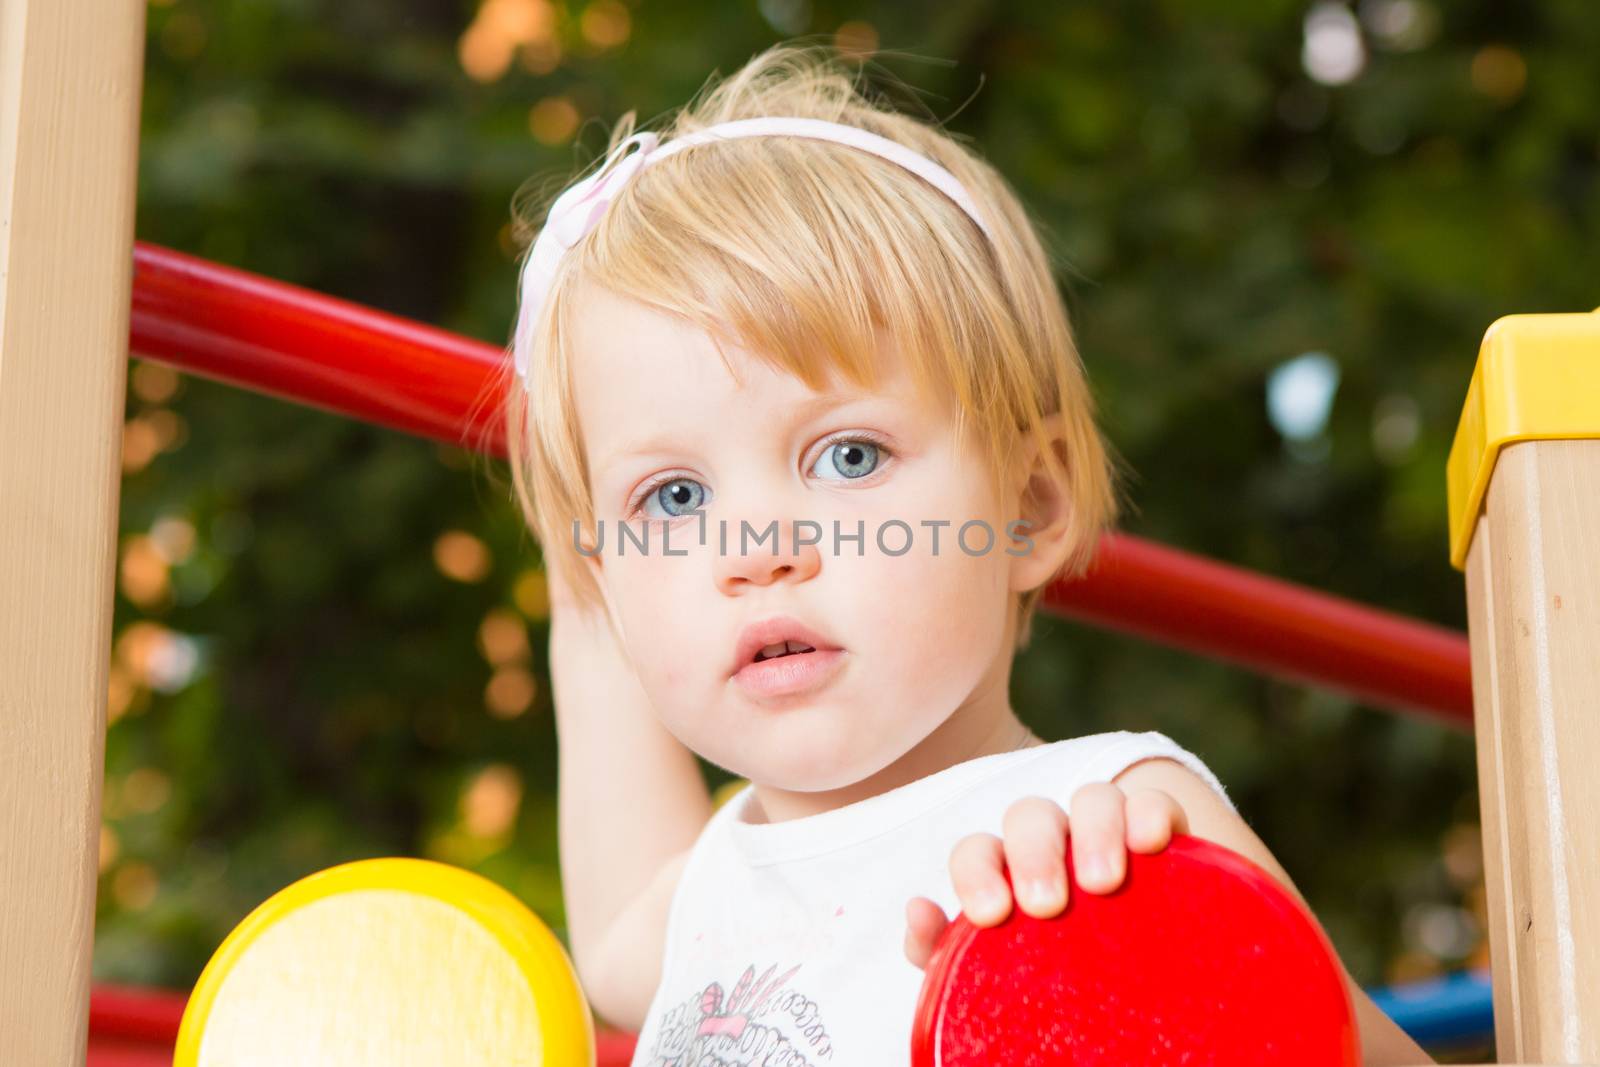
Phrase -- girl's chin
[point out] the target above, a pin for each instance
(795, 772)
(814, 748)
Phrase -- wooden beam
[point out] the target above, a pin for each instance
(71, 73)
(1533, 594)
(1525, 481)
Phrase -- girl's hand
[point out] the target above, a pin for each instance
(1104, 823)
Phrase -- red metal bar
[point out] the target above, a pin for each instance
(292, 343)
(135, 1014)
(289, 342)
(1143, 588)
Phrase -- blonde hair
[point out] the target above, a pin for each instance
(800, 250)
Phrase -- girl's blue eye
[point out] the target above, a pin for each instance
(677, 497)
(846, 459)
(849, 457)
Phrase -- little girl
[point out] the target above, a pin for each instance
(802, 431)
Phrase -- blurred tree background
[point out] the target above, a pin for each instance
(1283, 227)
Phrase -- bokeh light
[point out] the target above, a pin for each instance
(856, 39)
(491, 800)
(134, 886)
(1500, 73)
(1300, 395)
(605, 24)
(1333, 52)
(143, 572)
(510, 692)
(503, 637)
(461, 556)
(154, 383)
(532, 594)
(554, 120)
(489, 43)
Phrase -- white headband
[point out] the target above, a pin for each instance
(577, 210)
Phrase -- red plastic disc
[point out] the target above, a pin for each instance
(1200, 957)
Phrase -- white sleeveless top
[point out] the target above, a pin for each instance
(785, 941)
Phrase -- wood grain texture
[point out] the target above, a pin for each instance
(70, 79)
(1533, 596)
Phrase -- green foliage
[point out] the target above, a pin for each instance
(1215, 212)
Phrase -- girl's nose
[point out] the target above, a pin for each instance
(759, 555)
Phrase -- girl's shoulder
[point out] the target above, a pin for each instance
(973, 793)
(1063, 767)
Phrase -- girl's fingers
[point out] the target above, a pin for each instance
(1099, 851)
(975, 872)
(1103, 826)
(1153, 817)
(925, 921)
(1036, 852)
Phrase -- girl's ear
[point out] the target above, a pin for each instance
(1042, 500)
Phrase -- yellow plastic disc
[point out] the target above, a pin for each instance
(392, 962)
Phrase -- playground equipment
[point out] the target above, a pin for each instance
(1525, 522)
(1199, 957)
(388, 961)
(1524, 478)
(400, 962)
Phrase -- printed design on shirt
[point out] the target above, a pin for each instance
(762, 1023)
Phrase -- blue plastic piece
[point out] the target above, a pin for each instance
(1456, 1007)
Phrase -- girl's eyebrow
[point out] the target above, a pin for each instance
(801, 412)
(823, 403)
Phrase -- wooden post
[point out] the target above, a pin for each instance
(71, 72)
(1524, 478)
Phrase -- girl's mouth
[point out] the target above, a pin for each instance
(778, 637)
(782, 648)
(789, 668)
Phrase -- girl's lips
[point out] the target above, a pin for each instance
(798, 672)
(770, 631)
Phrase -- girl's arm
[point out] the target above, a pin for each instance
(631, 801)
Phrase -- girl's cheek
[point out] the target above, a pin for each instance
(663, 589)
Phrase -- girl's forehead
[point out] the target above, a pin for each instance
(627, 354)
(768, 405)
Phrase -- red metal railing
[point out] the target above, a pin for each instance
(298, 345)
(1276, 627)
(292, 343)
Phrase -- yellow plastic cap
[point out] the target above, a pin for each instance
(1537, 379)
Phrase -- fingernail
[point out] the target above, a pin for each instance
(1045, 894)
(1096, 870)
(989, 905)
